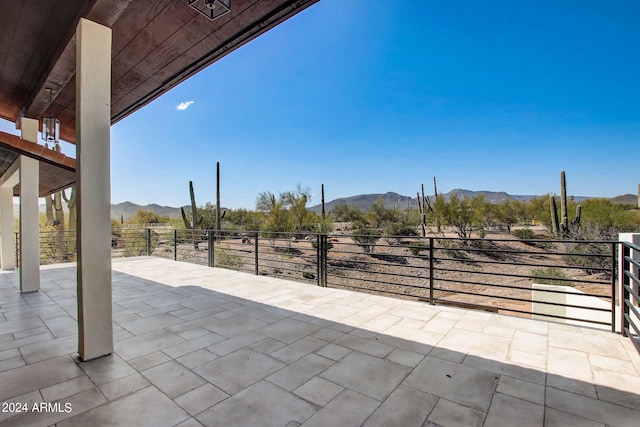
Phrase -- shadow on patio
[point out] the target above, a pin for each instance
(196, 345)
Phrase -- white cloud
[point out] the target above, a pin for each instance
(184, 105)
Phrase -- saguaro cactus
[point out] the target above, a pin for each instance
(193, 222)
(423, 202)
(324, 213)
(219, 215)
(562, 227)
(71, 205)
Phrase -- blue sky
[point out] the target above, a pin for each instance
(370, 96)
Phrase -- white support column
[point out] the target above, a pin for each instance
(29, 220)
(93, 123)
(8, 236)
(8, 181)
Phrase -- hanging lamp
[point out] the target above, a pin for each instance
(51, 125)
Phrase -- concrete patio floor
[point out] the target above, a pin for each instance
(202, 346)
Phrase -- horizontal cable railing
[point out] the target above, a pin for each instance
(568, 280)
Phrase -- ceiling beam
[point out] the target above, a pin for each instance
(36, 151)
(63, 66)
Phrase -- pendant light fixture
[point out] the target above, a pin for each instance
(51, 126)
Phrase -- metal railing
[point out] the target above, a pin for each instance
(491, 275)
(630, 273)
(488, 274)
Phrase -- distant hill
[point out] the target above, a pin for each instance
(626, 199)
(363, 201)
(391, 199)
(129, 209)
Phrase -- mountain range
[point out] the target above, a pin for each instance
(391, 199)
(127, 210)
(363, 201)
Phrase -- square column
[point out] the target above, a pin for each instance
(8, 237)
(93, 139)
(29, 225)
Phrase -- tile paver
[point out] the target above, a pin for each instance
(200, 346)
(468, 386)
(262, 404)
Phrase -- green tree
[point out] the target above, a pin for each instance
(510, 212)
(366, 238)
(378, 215)
(265, 202)
(288, 213)
(143, 217)
(458, 214)
(483, 214)
(243, 219)
(347, 213)
(605, 214)
(538, 209)
(295, 202)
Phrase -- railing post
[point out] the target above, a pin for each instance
(17, 250)
(212, 253)
(318, 260)
(255, 249)
(210, 248)
(148, 241)
(626, 282)
(175, 244)
(431, 252)
(323, 265)
(613, 286)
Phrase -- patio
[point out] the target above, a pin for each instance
(206, 346)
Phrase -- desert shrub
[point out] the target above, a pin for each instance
(592, 257)
(396, 231)
(314, 245)
(47, 244)
(134, 241)
(366, 238)
(143, 217)
(308, 275)
(524, 233)
(347, 213)
(453, 249)
(378, 215)
(116, 232)
(416, 247)
(527, 234)
(225, 257)
(551, 276)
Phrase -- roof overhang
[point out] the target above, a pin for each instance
(155, 46)
(57, 171)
